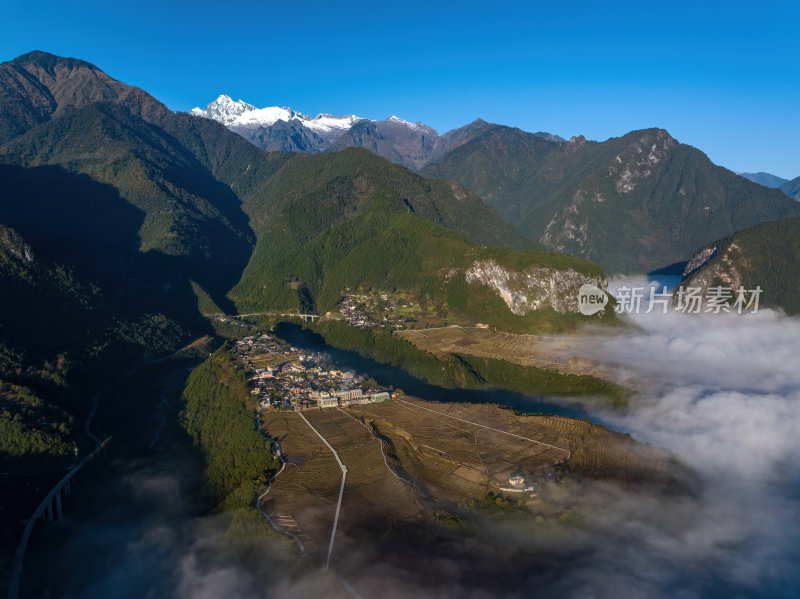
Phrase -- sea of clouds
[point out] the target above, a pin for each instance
(721, 392)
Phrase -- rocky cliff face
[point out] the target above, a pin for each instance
(766, 256)
(12, 244)
(533, 288)
(698, 261)
(714, 266)
(631, 204)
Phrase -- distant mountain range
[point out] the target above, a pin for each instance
(792, 188)
(631, 204)
(765, 179)
(273, 128)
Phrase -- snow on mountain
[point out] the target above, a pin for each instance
(243, 117)
(224, 110)
(283, 129)
(273, 128)
(398, 121)
(242, 114)
(329, 126)
(266, 117)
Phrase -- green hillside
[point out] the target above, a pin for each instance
(172, 208)
(217, 413)
(348, 177)
(383, 246)
(631, 204)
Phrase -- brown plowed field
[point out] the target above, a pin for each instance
(525, 350)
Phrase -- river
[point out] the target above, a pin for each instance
(393, 376)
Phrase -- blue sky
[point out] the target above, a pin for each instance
(724, 77)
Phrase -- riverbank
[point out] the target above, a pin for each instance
(397, 363)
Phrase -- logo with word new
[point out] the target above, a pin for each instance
(591, 299)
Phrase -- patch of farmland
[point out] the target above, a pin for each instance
(548, 352)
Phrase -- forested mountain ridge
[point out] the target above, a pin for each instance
(631, 204)
(765, 256)
(162, 206)
(199, 189)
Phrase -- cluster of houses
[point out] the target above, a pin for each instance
(371, 310)
(293, 379)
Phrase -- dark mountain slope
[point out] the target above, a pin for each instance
(186, 211)
(632, 203)
(182, 199)
(767, 255)
(80, 224)
(355, 173)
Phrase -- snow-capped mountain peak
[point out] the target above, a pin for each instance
(266, 117)
(328, 125)
(240, 116)
(224, 110)
(285, 129)
(243, 117)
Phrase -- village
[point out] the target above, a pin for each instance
(373, 310)
(383, 309)
(283, 377)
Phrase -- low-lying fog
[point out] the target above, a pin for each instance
(722, 392)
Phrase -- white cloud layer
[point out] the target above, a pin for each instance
(723, 393)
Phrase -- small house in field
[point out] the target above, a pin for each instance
(517, 480)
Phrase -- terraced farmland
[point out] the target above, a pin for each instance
(460, 460)
(303, 497)
(594, 451)
(374, 498)
(404, 453)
